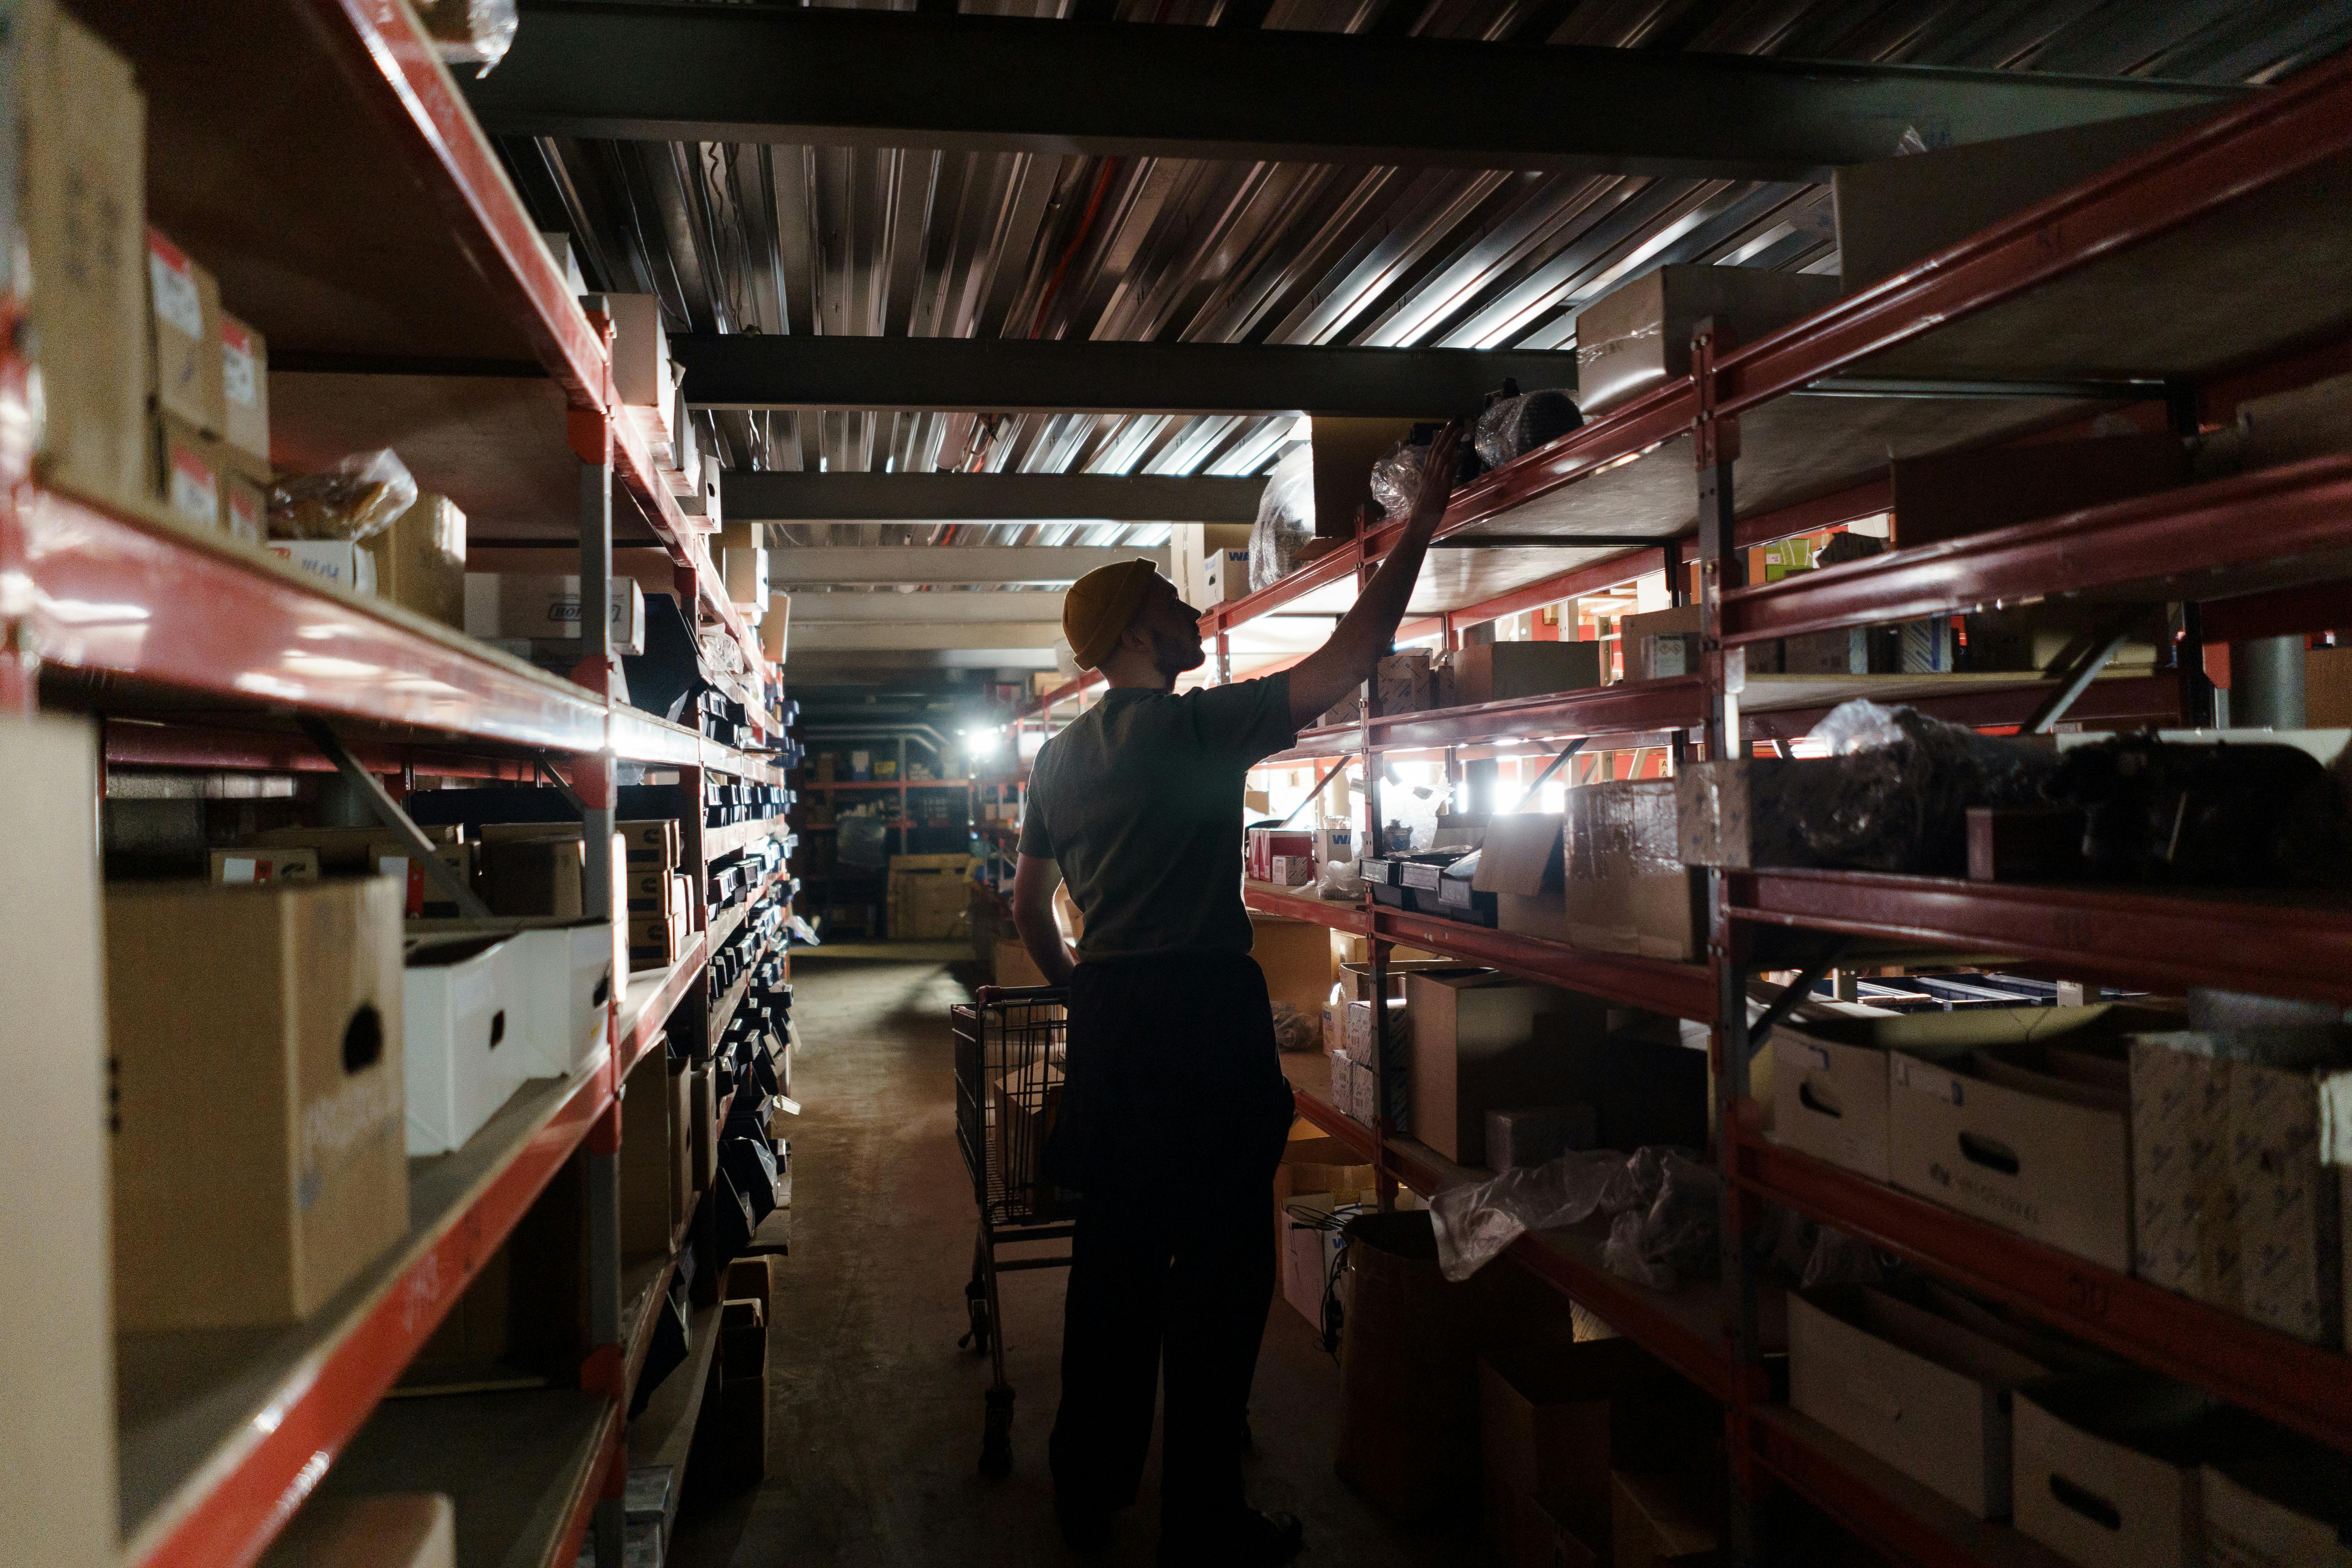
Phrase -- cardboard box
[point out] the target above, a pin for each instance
(245, 392)
(677, 1109)
(644, 1159)
(1638, 335)
(1536, 1135)
(532, 876)
(2231, 1203)
(245, 508)
(1026, 1102)
(420, 561)
(564, 980)
(641, 361)
(82, 138)
(397, 1530)
(1405, 682)
(2106, 1470)
(1641, 636)
(1622, 882)
(1013, 965)
(1555, 1419)
(57, 1380)
(1926, 1396)
(1900, 210)
(1952, 495)
(184, 315)
(462, 1042)
(1225, 576)
(1830, 1090)
(289, 865)
(342, 851)
(745, 573)
(547, 605)
(775, 630)
(257, 1042)
(1265, 843)
(1522, 866)
(1995, 1134)
(1658, 1520)
(188, 475)
(1295, 956)
(2284, 1513)
(1474, 1048)
(423, 898)
(338, 561)
(1189, 544)
(1498, 671)
(1542, 1539)
(652, 841)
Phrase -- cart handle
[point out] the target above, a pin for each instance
(987, 995)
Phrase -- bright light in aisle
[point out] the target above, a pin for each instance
(981, 742)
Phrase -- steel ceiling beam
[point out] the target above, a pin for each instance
(1082, 376)
(805, 565)
(823, 75)
(976, 609)
(747, 496)
(865, 637)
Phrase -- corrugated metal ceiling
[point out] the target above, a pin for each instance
(739, 237)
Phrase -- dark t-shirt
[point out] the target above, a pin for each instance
(1140, 802)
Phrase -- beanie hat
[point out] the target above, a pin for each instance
(1099, 605)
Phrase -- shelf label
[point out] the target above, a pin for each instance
(1925, 1080)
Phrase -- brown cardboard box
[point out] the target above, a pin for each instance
(1522, 866)
(678, 1106)
(776, 628)
(647, 891)
(423, 898)
(651, 841)
(342, 851)
(1951, 495)
(183, 314)
(1014, 966)
(1640, 633)
(58, 1378)
(420, 561)
(245, 392)
(1926, 1396)
(187, 473)
(1555, 1419)
(929, 905)
(82, 138)
(1997, 1134)
(1625, 889)
(1898, 210)
(412, 1529)
(532, 876)
(288, 864)
(653, 940)
(259, 1144)
(1296, 958)
(1474, 1048)
(1638, 335)
(1026, 1102)
(703, 1092)
(245, 508)
(1498, 671)
(645, 1163)
(1662, 1520)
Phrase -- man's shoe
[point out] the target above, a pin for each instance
(1085, 1530)
(1253, 1540)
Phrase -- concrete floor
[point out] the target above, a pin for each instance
(876, 1424)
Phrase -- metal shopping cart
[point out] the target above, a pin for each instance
(1009, 1051)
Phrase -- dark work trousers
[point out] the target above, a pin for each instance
(1174, 1112)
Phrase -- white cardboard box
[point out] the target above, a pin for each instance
(462, 1036)
(2245, 1528)
(1226, 574)
(348, 566)
(565, 975)
(641, 374)
(547, 605)
(2035, 1155)
(2096, 1497)
(1921, 1392)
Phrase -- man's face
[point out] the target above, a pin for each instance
(1172, 627)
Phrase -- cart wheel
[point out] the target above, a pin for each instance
(975, 1301)
(996, 1446)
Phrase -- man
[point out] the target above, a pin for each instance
(1174, 1109)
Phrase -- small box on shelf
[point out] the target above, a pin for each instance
(463, 1039)
(1498, 671)
(185, 317)
(1638, 335)
(421, 560)
(346, 565)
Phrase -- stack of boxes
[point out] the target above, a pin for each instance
(655, 933)
(208, 397)
(929, 896)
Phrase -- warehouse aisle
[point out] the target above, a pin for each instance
(878, 1413)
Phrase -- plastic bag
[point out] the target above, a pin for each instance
(1838, 1258)
(1677, 1236)
(1285, 519)
(1474, 1223)
(1512, 426)
(471, 31)
(1396, 479)
(357, 498)
(1340, 879)
(1294, 1030)
(1897, 794)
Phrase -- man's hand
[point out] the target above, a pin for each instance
(1365, 632)
(1034, 878)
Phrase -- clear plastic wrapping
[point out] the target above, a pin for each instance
(1294, 1030)
(357, 498)
(1340, 879)
(1677, 1236)
(1514, 425)
(1396, 477)
(471, 31)
(1896, 794)
(1651, 828)
(1474, 1223)
(1285, 519)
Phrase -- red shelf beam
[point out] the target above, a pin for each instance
(2306, 1386)
(2164, 941)
(263, 1473)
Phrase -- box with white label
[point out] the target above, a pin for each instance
(547, 605)
(347, 565)
(566, 981)
(187, 472)
(184, 315)
(1225, 573)
(292, 863)
(462, 1050)
(245, 392)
